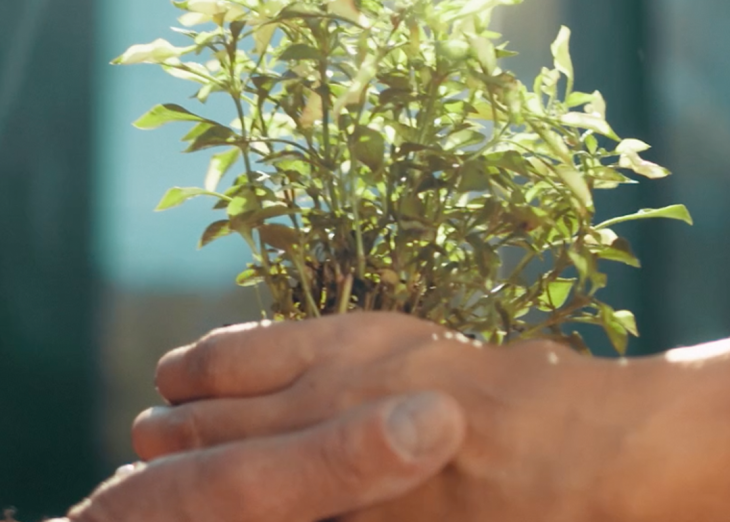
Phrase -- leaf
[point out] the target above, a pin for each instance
(249, 277)
(178, 195)
(300, 52)
(365, 74)
(631, 160)
(219, 165)
(245, 201)
(473, 177)
(463, 139)
(577, 99)
(555, 295)
(369, 147)
(627, 320)
(561, 53)
(279, 236)
(630, 145)
(215, 136)
(215, 231)
(615, 329)
(346, 9)
(577, 183)
(161, 114)
(453, 50)
(270, 212)
(154, 52)
(510, 160)
(678, 212)
(619, 250)
(590, 122)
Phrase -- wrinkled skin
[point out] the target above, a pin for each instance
(369, 455)
(552, 436)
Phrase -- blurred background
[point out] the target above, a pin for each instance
(94, 286)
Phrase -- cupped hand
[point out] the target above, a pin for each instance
(372, 454)
(543, 430)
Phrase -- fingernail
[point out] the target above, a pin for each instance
(415, 425)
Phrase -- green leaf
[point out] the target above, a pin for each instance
(556, 294)
(215, 136)
(273, 211)
(589, 121)
(630, 145)
(369, 147)
(244, 201)
(627, 320)
(154, 52)
(300, 52)
(577, 183)
(577, 99)
(619, 250)
(453, 50)
(561, 53)
(161, 114)
(178, 195)
(249, 277)
(219, 165)
(473, 177)
(215, 231)
(615, 329)
(463, 138)
(678, 212)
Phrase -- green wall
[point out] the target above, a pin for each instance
(47, 452)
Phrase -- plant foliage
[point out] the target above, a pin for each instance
(381, 158)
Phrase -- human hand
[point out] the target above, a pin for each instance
(372, 454)
(542, 431)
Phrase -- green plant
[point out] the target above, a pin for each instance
(390, 162)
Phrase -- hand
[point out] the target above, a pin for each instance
(374, 453)
(535, 444)
(551, 435)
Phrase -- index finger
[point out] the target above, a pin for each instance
(262, 358)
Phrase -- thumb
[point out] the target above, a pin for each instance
(380, 452)
(372, 454)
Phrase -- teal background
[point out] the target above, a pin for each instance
(94, 286)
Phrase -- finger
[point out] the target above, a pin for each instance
(376, 453)
(195, 425)
(254, 359)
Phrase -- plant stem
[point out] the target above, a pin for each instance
(344, 302)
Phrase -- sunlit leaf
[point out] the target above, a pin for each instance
(678, 212)
(577, 183)
(249, 277)
(179, 195)
(627, 320)
(158, 51)
(561, 53)
(219, 165)
(556, 294)
(615, 330)
(590, 122)
(161, 114)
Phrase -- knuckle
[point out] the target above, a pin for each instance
(98, 508)
(344, 460)
(187, 427)
(169, 431)
(202, 361)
